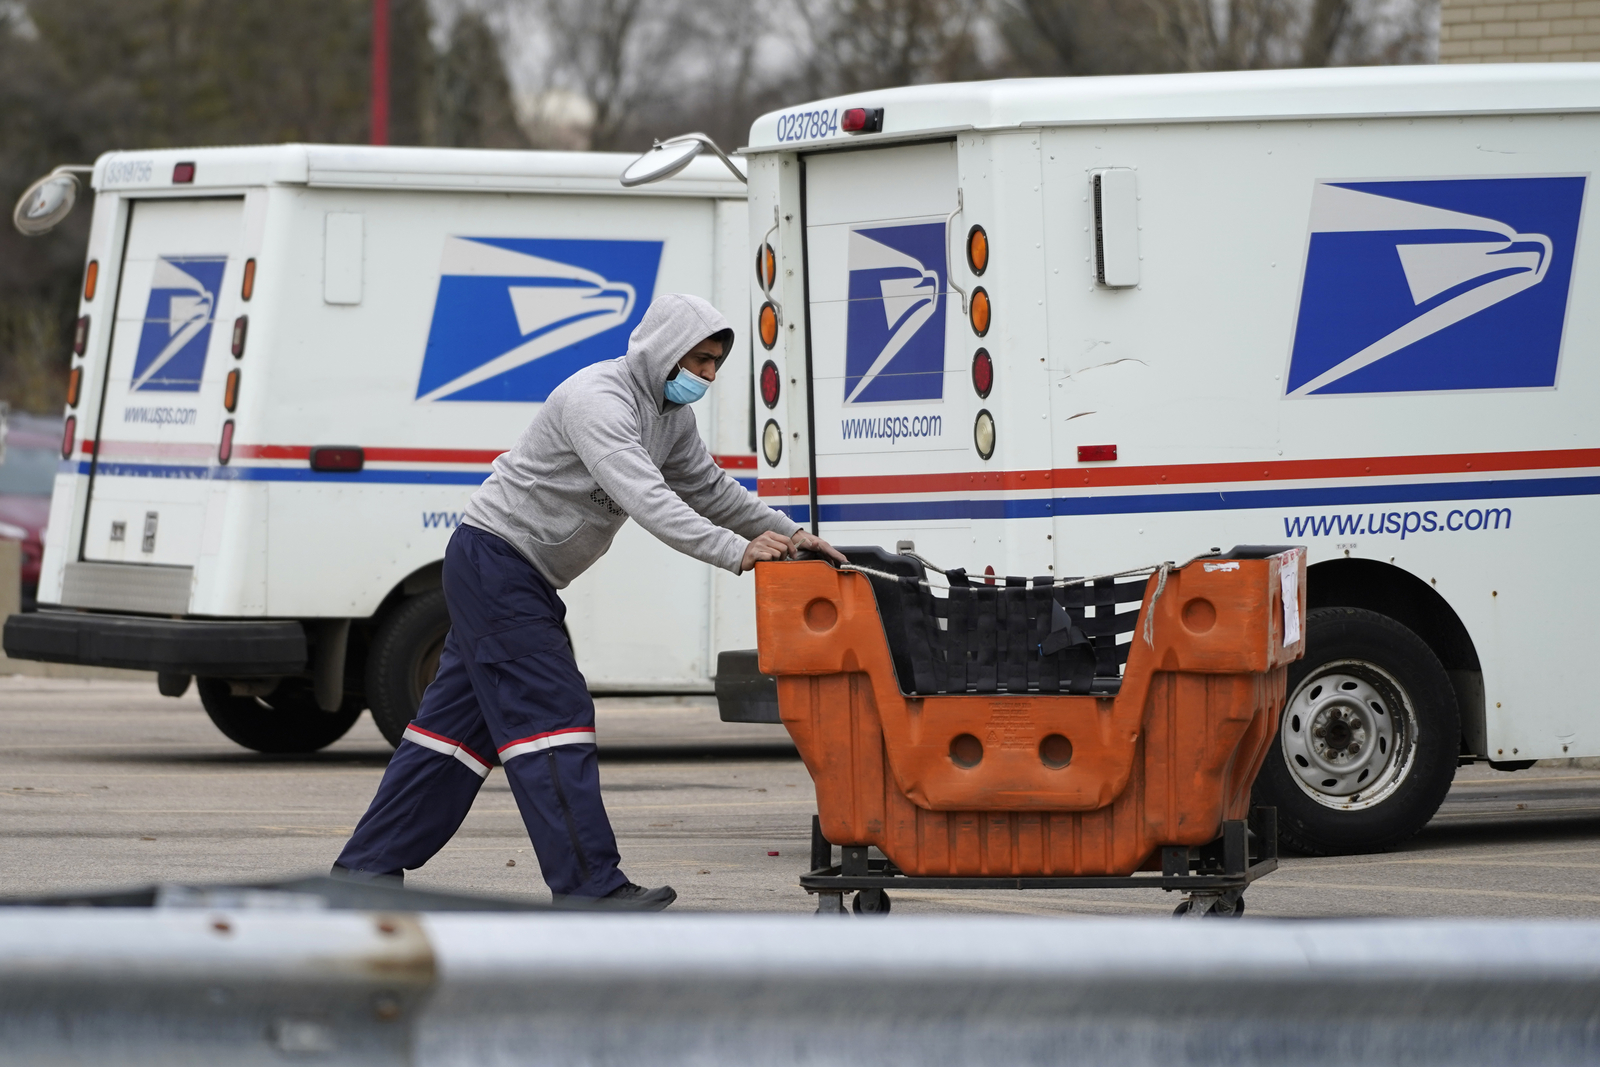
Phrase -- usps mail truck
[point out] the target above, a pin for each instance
(1073, 326)
(293, 366)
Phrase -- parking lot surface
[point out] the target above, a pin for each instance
(108, 784)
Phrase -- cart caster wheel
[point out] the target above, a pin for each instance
(830, 903)
(1225, 906)
(870, 902)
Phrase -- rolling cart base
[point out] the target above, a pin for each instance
(1213, 877)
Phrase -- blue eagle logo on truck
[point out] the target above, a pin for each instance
(515, 317)
(894, 331)
(1436, 285)
(177, 324)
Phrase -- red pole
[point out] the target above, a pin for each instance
(380, 72)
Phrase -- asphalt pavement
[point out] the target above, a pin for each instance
(107, 784)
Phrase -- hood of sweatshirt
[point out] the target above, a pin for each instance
(673, 324)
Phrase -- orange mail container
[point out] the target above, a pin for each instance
(1005, 730)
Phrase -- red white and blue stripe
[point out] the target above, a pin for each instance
(291, 463)
(1121, 490)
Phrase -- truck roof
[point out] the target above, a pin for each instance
(1232, 96)
(370, 167)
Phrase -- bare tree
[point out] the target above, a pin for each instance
(867, 44)
(599, 49)
(1146, 36)
(1324, 29)
(472, 102)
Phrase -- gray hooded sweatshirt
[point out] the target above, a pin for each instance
(608, 446)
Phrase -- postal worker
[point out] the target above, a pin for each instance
(617, 440)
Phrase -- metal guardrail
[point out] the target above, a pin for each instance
(266, 980)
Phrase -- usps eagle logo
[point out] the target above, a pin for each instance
(515, 317)
(177, 323)
(1446, 284)
(894, 332)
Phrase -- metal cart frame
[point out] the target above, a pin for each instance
(1213, 877)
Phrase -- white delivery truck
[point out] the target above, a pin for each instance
(1073, 326)
(294, 364)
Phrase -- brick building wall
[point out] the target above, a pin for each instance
(1529, 31)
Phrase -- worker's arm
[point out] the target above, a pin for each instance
(713, 492)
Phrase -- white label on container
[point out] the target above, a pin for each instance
(1289, 579)
(1231, 565)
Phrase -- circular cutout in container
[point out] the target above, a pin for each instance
(821, 615)
(966, 751)
(1055, 752)
(1199, 615)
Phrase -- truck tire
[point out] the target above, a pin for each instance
(287, 720)
(402, 660)
(1366, 749)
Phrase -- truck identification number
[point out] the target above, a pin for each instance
(808, 125)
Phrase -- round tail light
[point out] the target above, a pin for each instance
(982, 372)
(977, 249)
(980, 311)
(769, 384)
(983, 434)
(766, 267)
(767, 325)
(772, 443)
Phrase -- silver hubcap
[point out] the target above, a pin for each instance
(1349, 735)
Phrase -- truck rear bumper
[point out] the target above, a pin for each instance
(203, 647)
(744, 694)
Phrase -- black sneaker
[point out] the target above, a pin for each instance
(627, 897)
(398, 878)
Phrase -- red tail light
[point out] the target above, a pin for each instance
(240, 326)
(68, 435)
(225, 447)
(1096, 453)
(346, 458)
(80, 335)
(861, 120)
(769, 384)
(982, 372)
(182, 173)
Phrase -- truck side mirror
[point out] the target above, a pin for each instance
(668, 157)
(46, 202)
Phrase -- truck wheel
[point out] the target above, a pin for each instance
(285, 720)
(1367, 745)
(402, 660)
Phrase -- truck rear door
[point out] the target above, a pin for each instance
(891, 410)
(162, 413)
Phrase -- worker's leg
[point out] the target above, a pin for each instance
(430, 782)
(538, 711)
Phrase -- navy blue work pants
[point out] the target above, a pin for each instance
(507, 691)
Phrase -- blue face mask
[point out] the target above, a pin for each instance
(686, 388)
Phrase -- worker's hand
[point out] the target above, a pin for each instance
(809, 542)
(765, 546)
